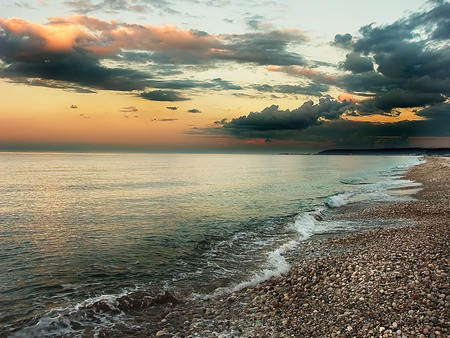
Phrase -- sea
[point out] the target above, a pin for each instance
(90, 240)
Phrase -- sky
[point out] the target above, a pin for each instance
(224, 75)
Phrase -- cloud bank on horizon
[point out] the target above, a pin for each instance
(387, 68)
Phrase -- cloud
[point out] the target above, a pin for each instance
(173, 45)
(356, 63)
(76, 49)
(129, 109)
(117, 6)
(163, 95)
(344, 41)
(224, 84)
(172, 108)
(347, 97)
(304, 72)
(314, 89)
(272, 118)
(221, 122)
(264, 48)
(52, 84)
(167, 120)
(216, 84)
(55, 52)
(256, 23)
(74, 106)
(194, 111)
(23, 4)
(402, 65)
(342, 133)
(80, 69)
(400, 98)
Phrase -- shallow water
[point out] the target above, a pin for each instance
(86, 239)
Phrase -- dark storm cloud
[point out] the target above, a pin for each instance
(163, 95)
(409, 48)
(272, 118)
(345, 133)
(77, 69)
(399, 98)
(411, 58)
(356, 63)
(369, 82)
(440, 112)
(342, 133)
(27, 57)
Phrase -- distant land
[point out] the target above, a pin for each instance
(389, 151)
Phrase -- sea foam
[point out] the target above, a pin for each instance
(338, 200)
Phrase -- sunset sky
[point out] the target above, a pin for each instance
(225, 75)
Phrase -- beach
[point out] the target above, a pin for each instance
(388, 282)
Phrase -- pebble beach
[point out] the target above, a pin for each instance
(387, 282)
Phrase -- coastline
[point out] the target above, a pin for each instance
(385, 282)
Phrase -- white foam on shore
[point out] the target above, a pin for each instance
(304, 225)
(338, 200)
(59, 321)
(278, 265)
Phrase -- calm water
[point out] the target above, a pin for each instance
(80, 231)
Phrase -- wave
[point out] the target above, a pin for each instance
(338, 200)
(354, 181)
(305, 223)
(304, 226)
(385, 186)
(97, 313)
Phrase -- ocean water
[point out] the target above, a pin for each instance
(89, 240)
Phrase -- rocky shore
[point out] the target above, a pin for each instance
(390, 282)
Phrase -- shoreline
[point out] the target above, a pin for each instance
(386, 282)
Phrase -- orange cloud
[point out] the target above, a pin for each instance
(113, 36)
(62, 34)
(56, 37)
(148, 37)
(305, 72)
(347, 97)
